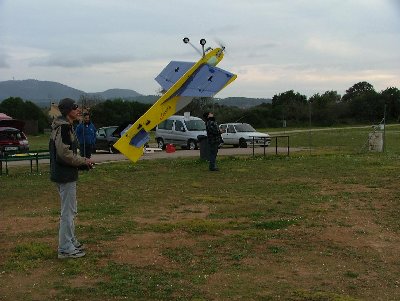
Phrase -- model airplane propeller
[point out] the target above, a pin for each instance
(182, 82)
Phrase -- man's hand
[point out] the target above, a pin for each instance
(89, 163)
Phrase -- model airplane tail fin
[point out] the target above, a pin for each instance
(140, 139)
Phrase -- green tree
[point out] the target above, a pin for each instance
(14, 107)
(117, 112)
(367, 107)
(17, 108)
(324, 108)
(291, 107)
(89, 100)
(357, 90)
(198, 106)
(391, 97)
(365, 104)
(325, 99)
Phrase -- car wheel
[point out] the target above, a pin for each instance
(192, 145)
(112, 149)
(160, 143)
(242, 143)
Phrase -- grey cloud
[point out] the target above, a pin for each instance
(224, 29)
(268, 45)
(3, 64)
(76, 62)
(3, 60)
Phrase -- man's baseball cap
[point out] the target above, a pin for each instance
(66, 105)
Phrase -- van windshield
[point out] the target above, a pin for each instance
(195, 125)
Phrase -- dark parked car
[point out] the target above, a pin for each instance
(12, 141)
(105, 139)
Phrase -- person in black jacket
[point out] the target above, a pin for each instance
(64, 165)
(214, 139)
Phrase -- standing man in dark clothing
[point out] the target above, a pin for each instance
(86, 134)
(64, 165)
(214, 139)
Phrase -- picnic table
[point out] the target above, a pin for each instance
(32, 156)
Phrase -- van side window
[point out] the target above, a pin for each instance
(179, 126)
(168, 124)
(223, 128)
(161, 126)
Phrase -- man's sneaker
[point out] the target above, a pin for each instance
(76, 254)
(80, 247)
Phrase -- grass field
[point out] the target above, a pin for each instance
(320, 140)
(322, 224)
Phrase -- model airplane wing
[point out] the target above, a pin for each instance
(207, 82)
(172, 73)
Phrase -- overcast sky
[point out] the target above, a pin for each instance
(309, 46)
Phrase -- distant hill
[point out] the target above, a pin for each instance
(42, 93)
(37, 91)
(117, 93)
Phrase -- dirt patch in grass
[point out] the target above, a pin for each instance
(331, 261)
(146, 249)
(175, 214)
(188, 212)
(329, 188)
(13, 225)
(361, 230)
(83, 281)
(19, 229)
(16, 286)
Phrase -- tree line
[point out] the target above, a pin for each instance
(17, 108)
(360, 104)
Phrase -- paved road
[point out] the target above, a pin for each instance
(226, 151)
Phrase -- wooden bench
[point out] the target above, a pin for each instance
(32, 156)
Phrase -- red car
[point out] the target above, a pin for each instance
(12, 139)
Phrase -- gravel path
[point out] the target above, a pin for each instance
(226, 151)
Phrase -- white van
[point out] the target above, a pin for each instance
(181, 131)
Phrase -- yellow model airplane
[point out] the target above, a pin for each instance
(182, 81)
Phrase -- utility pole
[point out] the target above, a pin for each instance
(384, 129)
(309, 126)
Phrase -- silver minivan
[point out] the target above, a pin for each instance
(181, 131)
